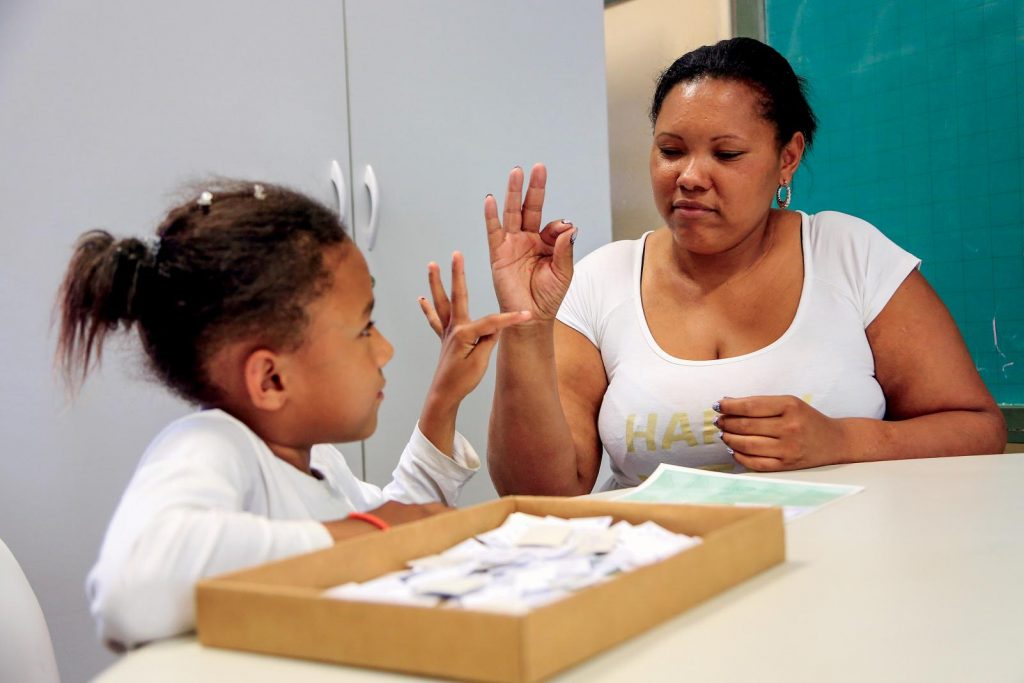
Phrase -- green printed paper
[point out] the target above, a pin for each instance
(672, 484)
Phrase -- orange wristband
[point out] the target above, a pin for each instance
(370, 519)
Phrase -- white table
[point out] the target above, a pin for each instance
(920, 577)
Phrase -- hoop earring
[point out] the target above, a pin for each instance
(784, 202)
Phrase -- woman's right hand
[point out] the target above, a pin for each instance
(531, 268)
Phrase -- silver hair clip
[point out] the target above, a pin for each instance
(205, 199)
(258, 192)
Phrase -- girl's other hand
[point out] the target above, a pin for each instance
(466, 347)
(531, 268)
(392, 512)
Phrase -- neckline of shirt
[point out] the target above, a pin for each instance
(805, 290)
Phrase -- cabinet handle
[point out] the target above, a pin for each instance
(370, 180)
(338, 178)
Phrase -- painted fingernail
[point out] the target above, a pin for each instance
(720, 435)
(566, 222)
(575, 234)
(717, 407)
(730, 451)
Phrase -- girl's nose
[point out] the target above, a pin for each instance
(384, 350)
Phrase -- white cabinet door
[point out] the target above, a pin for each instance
(106, 108)
(444, 98)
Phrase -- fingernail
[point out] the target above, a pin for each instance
(575, 234)
(715, 421)
(717, 407)
(566, 222)
(488, 195)
(730, 451)
(719, 435)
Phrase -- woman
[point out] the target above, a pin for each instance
(831, 343)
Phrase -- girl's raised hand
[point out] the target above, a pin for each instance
(531, 268)
(466, 347)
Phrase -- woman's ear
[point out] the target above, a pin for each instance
(792, 153)
(264, 380)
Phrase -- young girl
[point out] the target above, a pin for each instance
(253, 304)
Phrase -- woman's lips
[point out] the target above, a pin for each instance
(691, 209)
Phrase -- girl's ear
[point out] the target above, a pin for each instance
(792, 153)
(264, 380)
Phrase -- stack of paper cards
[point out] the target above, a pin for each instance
(526, 562)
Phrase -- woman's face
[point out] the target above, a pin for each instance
(716, 164)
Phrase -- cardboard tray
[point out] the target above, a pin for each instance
(276, 608)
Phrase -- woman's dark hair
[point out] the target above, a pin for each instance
(242, 260)
(783, 93)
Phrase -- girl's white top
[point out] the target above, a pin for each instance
(209, 497)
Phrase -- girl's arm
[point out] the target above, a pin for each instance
(466, 347)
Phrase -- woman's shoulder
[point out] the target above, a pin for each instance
(833, 234)
(837, 226)
(614, 256)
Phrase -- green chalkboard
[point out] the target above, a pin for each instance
(921, 105)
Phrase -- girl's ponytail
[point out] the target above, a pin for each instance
(100, 293)
(241, 261)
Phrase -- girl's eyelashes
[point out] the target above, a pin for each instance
(669, 151)
(728, 156)
(366, 331)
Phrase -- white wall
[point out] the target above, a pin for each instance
(642, 37)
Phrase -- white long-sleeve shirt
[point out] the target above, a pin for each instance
(209, 496)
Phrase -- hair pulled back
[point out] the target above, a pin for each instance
(783, 94)
(244, 264)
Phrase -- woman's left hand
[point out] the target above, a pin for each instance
(772, 433)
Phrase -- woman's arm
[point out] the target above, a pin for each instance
(936, 403)
(550, 379)
(543, 434)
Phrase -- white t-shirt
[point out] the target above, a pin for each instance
(658, 408)
(209, 496)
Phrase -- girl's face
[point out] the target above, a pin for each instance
(715, 164)
(338, 368)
